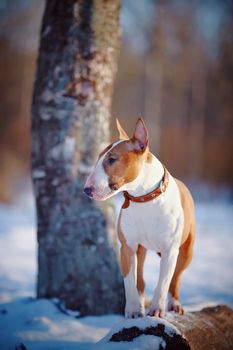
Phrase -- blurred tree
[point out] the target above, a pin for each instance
(219, 141)
(70, 125)
(154, 74)
(197, 107)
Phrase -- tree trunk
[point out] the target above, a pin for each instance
(70, 125)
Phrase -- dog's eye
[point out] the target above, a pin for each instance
(113, 187)
(111, 160)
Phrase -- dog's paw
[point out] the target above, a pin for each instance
(133, 311)
(156, 312)
(174, 305)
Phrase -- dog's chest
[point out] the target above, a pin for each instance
(152, 224)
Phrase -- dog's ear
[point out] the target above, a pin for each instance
(140, 137)
(122, 133)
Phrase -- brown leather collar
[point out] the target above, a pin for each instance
(149, 196)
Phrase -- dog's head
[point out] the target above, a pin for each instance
(119, 163)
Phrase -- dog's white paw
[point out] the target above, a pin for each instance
(156, 309)
(174, 305)
(133, 310)
(156, 312)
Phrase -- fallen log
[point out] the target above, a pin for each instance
(208, 329)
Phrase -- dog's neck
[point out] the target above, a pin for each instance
(148, 179)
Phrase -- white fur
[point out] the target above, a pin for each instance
(156, 225)
(133, 307)
(172, 302)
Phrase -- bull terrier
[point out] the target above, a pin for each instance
(157, 214)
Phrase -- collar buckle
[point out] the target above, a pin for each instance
(162, 186)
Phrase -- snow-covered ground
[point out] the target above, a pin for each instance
(39, 324)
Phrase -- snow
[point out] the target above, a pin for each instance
(141, 342)
(209, 278)
(141, 323)
(39, 324)
(43, 324)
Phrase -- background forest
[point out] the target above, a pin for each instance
(175, 69)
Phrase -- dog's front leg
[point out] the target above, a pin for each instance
(133, 307)
(167, 267)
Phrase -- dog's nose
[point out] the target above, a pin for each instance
(89, 191)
